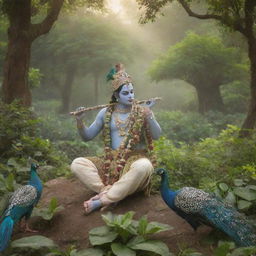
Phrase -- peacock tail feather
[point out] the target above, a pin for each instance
(230, 221)
(6, 228)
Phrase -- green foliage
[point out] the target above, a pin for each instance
(241, 194)
(124, 236)
(99, 44)
(49, 212)
(228, 248)
(208, 162)
(7, 184)
(15, 122)
(19, 143)
(233, 93)
(34, 77)
(72, 251)
(191, 127)
(77, 148)
(30, 246)
(57, 127)
(192, 58)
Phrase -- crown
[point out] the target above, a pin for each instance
(118, 76)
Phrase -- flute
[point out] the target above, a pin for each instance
(111, 104)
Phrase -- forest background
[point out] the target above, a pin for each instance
(199, 67)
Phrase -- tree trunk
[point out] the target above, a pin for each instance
(67, 89)
(96, 88)
(16, 65)
(250, 119)
(21, 34)
(209, 98)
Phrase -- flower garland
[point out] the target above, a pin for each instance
(137, 121)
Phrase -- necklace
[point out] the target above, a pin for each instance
(122, 110)
(121, 124)
(113, 166)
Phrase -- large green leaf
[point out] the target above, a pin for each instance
(135, 240)
(223, 187)
(33, 242)
(223, 248)
(245, 193)
(156, 227)
(238, 182)
(48, 212)
(230, 198)
(253, 187)
(121, 250)
(157, 247)
(89, 252)
(102, 235)
(109, 219)
(243, 205)
(246, 251)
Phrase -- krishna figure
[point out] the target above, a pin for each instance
(128, 130)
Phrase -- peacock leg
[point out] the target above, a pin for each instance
(24, 227)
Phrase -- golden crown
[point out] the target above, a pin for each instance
(118, 76)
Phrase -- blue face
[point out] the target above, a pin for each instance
(126, 95)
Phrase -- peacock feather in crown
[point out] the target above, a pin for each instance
(118, 76)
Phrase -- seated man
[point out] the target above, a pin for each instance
(128, 129)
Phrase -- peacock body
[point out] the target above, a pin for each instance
(20, 205)
(197, 207)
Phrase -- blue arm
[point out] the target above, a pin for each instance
(88, 133)
(154, 126)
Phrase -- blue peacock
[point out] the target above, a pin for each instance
(20, 205)
(197, 207)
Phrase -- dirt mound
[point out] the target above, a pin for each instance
(71, 225)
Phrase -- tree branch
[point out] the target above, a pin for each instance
(236, 26)
(45, 26)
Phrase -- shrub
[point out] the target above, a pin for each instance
(208, 162)
(191, 127)
(124, 236)
(19, 143)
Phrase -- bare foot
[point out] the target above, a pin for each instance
(92, 205)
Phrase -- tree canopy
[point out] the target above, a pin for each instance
(236, 15)
(205, 63)
(79, 46)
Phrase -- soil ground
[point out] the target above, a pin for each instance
(71, 225)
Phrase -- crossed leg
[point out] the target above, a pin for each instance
(135, 179)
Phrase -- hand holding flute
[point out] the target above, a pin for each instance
(80, 110)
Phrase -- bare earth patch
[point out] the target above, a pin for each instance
(71, 225)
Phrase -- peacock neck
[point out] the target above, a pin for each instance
(167, 194)
(35, 180)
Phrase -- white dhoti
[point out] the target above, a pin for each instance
(135, 179)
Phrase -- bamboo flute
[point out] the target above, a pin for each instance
(111, 104)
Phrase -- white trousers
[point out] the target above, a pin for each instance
(134, 180)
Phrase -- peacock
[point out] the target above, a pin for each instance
(20, 205)
(198, 207)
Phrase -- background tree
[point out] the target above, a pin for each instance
(205, 63)
(97, 46)
(237, 15)
(21, 33)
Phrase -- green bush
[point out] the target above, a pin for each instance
(74, 149)
(233, 93)
(191, 127)
(20, 144)
(124, 236)
(210, 161)
(15, 122)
